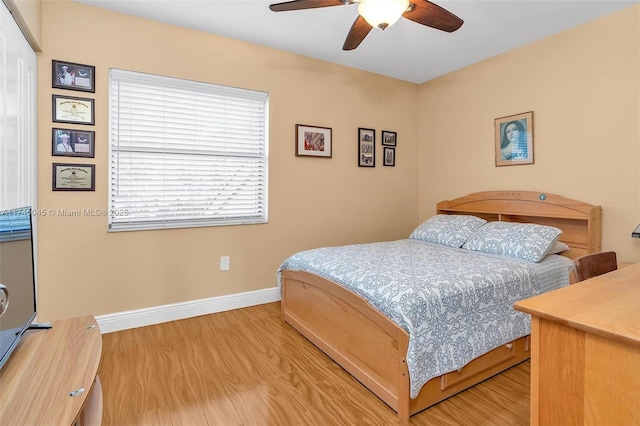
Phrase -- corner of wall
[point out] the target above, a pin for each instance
(28, 15)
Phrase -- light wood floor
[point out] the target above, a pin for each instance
(247, 367)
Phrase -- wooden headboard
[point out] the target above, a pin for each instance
(581, 223)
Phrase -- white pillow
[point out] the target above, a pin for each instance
(525, 241)
(447, 229)
(557, 247)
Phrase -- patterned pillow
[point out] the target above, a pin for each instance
(448, 229)
(526, 241)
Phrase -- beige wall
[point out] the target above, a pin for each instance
(83, 269)
(583, 86)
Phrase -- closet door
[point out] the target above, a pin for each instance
(18, 67)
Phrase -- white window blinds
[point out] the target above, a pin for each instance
(185, 153)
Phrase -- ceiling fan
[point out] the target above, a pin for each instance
(381, 14)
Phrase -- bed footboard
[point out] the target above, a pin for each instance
(373, 348)
(361, 340)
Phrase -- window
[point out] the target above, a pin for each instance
(185, 153)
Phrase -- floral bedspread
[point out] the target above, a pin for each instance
(456, 304)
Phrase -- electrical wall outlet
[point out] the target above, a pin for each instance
(225, 263)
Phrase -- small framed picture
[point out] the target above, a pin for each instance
(389, 156)
(67, 75)
(389, 138)
(74, 177)
(366, 147)
(72, 143)
(514, 139)
(67, 109)
(313, 141)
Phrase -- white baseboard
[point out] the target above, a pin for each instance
(177, 311)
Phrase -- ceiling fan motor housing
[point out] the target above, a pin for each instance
(382, 13)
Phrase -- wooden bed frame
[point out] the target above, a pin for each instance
(373, 348)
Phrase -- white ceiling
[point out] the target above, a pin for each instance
(406, 51)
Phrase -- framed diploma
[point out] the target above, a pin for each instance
(67, 109)
(74, 177)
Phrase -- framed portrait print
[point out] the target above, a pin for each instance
(67, 75)
(366, 147)
(389, 156)
(313, 141)
(72, 143)
(514, 139)
(389, 138)
(74, 177)
(67, 109)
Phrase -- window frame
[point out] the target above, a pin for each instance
(250, 167)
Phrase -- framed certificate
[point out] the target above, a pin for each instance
(67, 109)
(74, 177)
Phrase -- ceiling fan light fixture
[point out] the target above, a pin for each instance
(382, 13)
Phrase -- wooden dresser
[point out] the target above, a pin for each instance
(585, 358)
(51, 376)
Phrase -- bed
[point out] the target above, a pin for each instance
(379, 351)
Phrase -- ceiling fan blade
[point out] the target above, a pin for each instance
(426, 13)
(357, 33)
(305, 4)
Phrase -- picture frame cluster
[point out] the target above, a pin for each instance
(367, 147)
(316, 141)
(73, 142)
(513, 142)
(389, 141)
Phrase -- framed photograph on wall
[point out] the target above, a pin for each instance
(514, 139)
(67, 109)
(366, 147)
(313, 141)
(74, 177)
(67, 75)
(389, 156)
(72, 143)
(389, 138)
